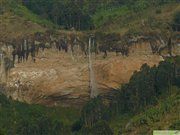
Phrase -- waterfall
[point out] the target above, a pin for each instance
(72, 56)
(2, 72)
(92, 83)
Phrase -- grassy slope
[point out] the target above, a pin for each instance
(166, 115)
(16, 20)
(121, 19)
(103, 16)
(18, 9)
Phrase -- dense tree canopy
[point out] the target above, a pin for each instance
(78, 13)
(176, 21)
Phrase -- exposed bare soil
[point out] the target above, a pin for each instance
(59, 79)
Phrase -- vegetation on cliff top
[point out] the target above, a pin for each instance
(18, 9)
(109, 15)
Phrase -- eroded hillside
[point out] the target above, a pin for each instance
(57, 78)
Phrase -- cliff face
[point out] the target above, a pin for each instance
(58, 79)
(145, 49)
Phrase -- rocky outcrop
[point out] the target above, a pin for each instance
(57, 79)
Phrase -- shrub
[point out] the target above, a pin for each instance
(176, 21)
(158, 11)
(101, 128)
(77, 125)
(93, 111)
(175, 125)
(177, 17)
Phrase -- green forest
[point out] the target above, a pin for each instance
(89, 14)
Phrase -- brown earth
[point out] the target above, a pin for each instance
(59, 79)
(13, 26)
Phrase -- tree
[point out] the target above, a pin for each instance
(92, 112)
(164, 77)
(101, 128)
(176, 21)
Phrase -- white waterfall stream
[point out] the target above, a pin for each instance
(2, 72)
(92, 83)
